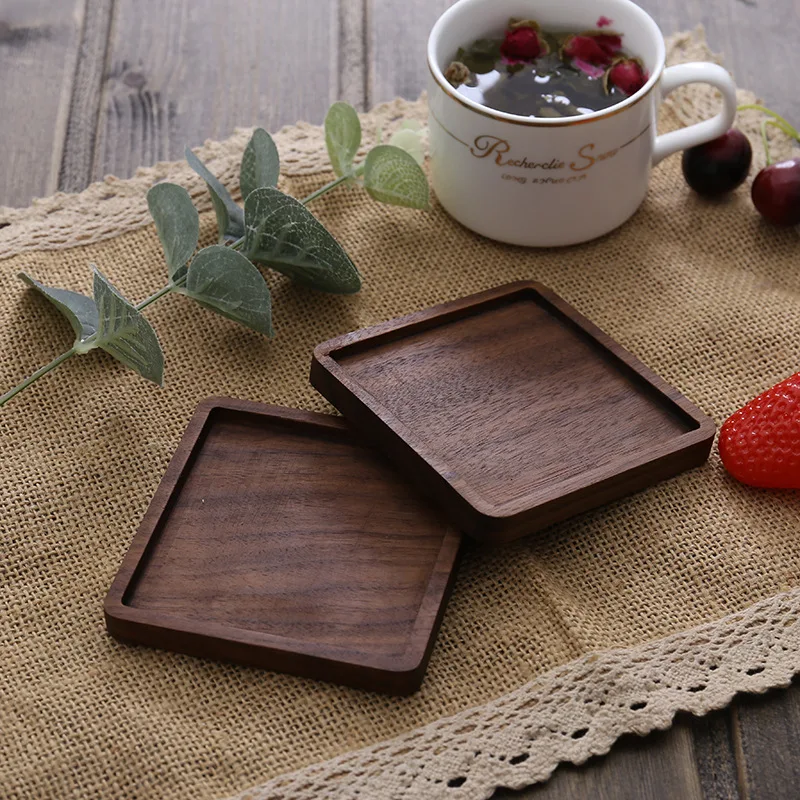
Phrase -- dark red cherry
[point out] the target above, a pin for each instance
(719, 166)
(776, 192)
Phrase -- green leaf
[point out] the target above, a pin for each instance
(393, 176)
(226, 282)
(177, 223)
(261, 164)
(125, 334)
(411, 142)
(80, 310)
(482, 55)
(230, 217)
(342, 137)
(283, 233)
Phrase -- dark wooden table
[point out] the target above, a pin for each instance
(91, 87)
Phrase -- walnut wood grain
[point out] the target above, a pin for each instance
(511, 409)
(277, 539)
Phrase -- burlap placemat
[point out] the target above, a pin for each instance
(704, 293)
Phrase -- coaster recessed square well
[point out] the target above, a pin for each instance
(511, 409)
(278, 539)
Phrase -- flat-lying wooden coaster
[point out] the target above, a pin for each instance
(277, 538)
(511, 409)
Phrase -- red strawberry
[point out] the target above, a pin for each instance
(760, 443)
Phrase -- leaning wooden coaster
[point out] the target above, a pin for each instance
(512, 409)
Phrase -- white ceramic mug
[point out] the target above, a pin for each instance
(549, 182)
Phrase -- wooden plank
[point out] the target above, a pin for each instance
(658, 767)
(39, 42)
(759, 45)
(767, 737)
(76, 161)
(714, 755)
(187, 70)
(758, 42)
(397, 37)
(352, 53)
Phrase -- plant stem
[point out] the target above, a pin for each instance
(36, 375)
(324, 189)
(164, 290)
(74, 350)
(160, 293)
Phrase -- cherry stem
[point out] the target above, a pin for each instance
(777, 121)
(780, 121)
(764, 124)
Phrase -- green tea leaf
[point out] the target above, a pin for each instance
(342, 137)
(125, 334)
(230, 217)
(410, 141)
(81, 311)
(481, 56)
(177, 223)
(261, 164)
(283, 233)
(393, 176)
(226, 282)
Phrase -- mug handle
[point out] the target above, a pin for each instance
(701, 132)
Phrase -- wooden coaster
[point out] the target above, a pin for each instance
(276, 538)
(511, 409)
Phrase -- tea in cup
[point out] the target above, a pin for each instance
(520, 173)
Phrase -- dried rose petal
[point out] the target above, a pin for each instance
(590, 69)
(604, 22)
(523, 44)
(588, 49)
(609, 41)
(626, 74)
(457, 73)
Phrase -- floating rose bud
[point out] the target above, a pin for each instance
(457, 73)
(523, 43)
(626, 74)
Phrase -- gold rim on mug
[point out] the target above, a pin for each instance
(583, 119)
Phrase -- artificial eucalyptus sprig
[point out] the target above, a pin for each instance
(271, 229)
